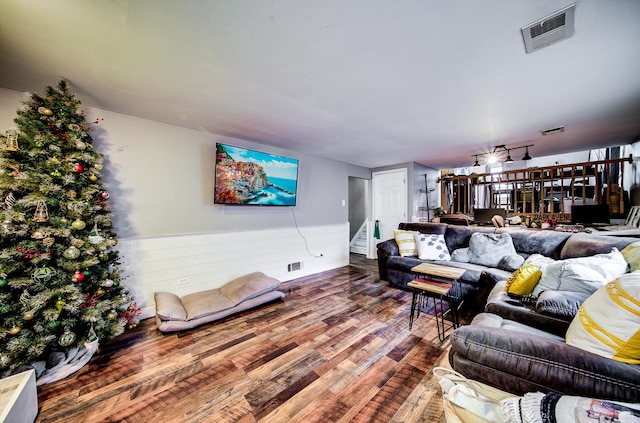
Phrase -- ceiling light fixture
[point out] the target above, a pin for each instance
(494, 155)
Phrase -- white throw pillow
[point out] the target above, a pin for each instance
(582, 274)
(432, 247)
(608, 322)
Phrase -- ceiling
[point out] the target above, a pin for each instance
(368, 82)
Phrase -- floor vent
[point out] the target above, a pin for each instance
(550, 29)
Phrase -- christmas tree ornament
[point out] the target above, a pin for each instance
(4, 360)
(14, 330)
(79, 168)
(98, 166)
(67, 338)
(93, 178)
(105, 195)
(25, 297)
(43, 274)
(48, 241)
(6, 226)
(53, 325)
(59, 305)
(78, 224)
(112, 315)
(55, 174)
(107, 283)
(103, 256)
(71, 193)
(3, 283)
(41, 214)
(80, 145)
(92, 336)
(53, 202)
(45, 111)
(9, 200)
(94, 236)
(78, 243)
(5, 308)
(100, 291)
(77, 276)
(71, 253)
(63, 220)
(38, 234)
(29, 315)
(11, 143)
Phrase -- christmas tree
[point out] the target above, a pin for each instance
(59, 272)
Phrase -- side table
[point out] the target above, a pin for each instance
(436, 282)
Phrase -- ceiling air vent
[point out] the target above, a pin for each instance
(550, 29)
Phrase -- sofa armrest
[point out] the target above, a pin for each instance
(386, 249)
(499, 303)
(521, 362)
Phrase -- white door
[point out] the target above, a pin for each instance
(389, 200)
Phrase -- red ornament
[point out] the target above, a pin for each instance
(79, 168)
(77, 277)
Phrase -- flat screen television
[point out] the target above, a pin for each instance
(250, 177)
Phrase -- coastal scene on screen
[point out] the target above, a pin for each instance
(245, 176)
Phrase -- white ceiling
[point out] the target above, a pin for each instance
(368, 82)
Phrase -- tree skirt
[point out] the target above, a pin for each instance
(63, 363)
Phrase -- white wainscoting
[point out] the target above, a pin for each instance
(210, 260)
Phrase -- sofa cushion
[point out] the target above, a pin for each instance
(527, 241)
(523, 280)
(169, 306)
(560, 304)
(584, 245)
(608, 322)
(406, 242)
(248, 286)
(461, 255)
(631, 254)
(490, 249)
(204, 303)
(539, 260)
(432, 247)
(582, 274)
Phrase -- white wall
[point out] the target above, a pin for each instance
(160, 178)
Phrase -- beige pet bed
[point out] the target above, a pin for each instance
(174, 313)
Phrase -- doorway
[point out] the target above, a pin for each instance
(389, 198)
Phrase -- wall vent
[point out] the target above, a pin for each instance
(550, 29)
(292, 267)
(552, 130)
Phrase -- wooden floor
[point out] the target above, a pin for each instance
(336, 349)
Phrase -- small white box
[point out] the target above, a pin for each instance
(18, 398)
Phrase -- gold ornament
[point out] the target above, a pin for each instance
(59, 305)
(80, 145)
(45, 111)
(41, 214)
(93, 178)
(38, 234)
(12, 141)
(78, 224)
(77, 242)
(29, 315)
(71, 253)
(48, 242)
(14, 330)
(71, 193)
(112, 315)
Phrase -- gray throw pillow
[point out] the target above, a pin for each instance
(489, 249)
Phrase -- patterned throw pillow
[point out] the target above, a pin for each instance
(432, 247)
(523, 280)
(406, 242)
(631, 254)
(608, 322)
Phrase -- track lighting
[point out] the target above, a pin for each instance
(493, 155)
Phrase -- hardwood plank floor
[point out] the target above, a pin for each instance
(336, 349)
